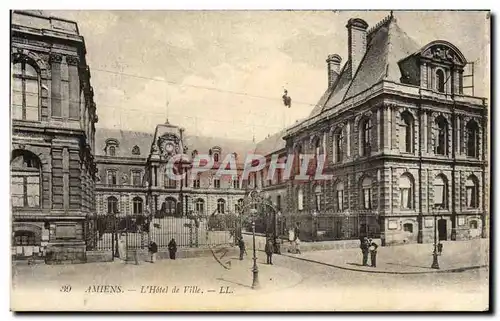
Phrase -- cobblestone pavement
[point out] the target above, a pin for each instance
(288, 285)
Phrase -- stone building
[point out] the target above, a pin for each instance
(53, 117)
(132, 173)
(406, 148)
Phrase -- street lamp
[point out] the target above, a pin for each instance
(435, 262)
(255, 269)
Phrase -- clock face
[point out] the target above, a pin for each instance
(169, 147)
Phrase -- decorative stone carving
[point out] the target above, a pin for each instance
(441, 53)
(72, 60)
(55, 58)
(124, 178)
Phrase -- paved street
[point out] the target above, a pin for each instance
(289, 284)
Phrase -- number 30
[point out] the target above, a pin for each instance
(65, 288)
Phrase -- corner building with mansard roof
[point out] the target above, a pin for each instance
(406, 146)
(53, 132)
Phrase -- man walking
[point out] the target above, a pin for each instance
(364, 250)
(241, 245)
(373, 253)
(153, 249)
(172, 249)
(269, 251)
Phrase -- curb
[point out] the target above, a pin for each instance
(455, 270)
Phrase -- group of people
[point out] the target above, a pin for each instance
(153, 250)
(369, 247)
(270, 248)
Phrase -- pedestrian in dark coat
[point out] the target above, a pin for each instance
(364, 250)
(373, 253)
(269, 251)
(172, 249)
(440, 248)
(153, 249)
(241, 245)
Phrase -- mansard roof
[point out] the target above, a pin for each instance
(387, 44)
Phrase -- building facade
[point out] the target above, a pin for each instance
(406, 148)
(133, 173)
(53, 133)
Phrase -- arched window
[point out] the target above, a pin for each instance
(300, 199)
(471, 192)
(25, 179)
(406, 191)
(365, 127)
(25, 91)
(440, 81)
(221, 206)
(170, 206)
(473, 224)
(366, 193)
(339, 197)
(317, 197)
(442, 136)
(112, 205)
(112, 151)
(338, 139)
(136, 150)
(200, 206)
(137, 205)
(440, 192)
(472, 139)
(216, 157)
(406, 135)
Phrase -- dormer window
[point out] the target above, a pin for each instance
(136, 150)
(111, 147)
(215, 152)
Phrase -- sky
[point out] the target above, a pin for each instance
(150, 65)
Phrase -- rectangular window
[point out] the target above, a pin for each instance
(196, 183)
(278, 202)
(216, 183)
(17, 191)
(136, 178)
(236, 184)
(111, 180)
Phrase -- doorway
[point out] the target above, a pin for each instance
(442, 231)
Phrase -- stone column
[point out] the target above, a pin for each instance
(55, 61)
(74, 88)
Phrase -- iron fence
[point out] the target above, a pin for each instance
(103, 231)
(334, 226)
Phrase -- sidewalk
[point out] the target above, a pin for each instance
(406, 259)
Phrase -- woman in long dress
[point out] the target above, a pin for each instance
(122, 247)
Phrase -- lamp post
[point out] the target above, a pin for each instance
(435, 262)
(255, 269)
(314, 227)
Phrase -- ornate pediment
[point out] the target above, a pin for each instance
(169, 144)
(444, 52)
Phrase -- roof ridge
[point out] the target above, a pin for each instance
(379, 25)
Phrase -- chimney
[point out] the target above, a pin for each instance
(333, 62)
(356, 29)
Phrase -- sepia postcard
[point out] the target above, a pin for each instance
(280, 160)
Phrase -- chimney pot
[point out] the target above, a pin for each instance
(356, 29)
(333, 62)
